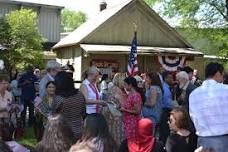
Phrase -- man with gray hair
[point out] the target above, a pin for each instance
(52, 68)
(186, 87)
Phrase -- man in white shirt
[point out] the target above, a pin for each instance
(208, 107)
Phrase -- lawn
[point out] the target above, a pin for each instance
(28, 139)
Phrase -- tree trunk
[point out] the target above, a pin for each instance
(227, 8)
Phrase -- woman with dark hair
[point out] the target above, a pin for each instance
(57, 136)
(96, 132)
(181, 140)
(44, 109)
(131, 109)
(48, 99)
(69, 102)
(153, 106)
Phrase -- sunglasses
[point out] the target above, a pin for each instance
(170, 120)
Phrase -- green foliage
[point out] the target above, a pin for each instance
(150, 2)
(28, 140)
(24, 30)
(207, 13)
(209, 41)
(204, 23)
(19, 33)
(70, 20)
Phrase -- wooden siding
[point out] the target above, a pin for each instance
(73, 56)
(49, 24)
(119, 29)
(199, 64)
(146, 63)
(77, 63)
(48, 19)
(6, 8)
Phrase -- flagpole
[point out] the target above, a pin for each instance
(135, 35)
(132, 67)
(135, 29)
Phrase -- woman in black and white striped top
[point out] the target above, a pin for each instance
(70, 103)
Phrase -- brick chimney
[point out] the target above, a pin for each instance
(103, 6)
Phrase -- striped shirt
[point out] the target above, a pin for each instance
(73, 110)
(208, 107)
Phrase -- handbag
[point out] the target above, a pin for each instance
(6, 129)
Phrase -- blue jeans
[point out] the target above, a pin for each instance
(217, 143)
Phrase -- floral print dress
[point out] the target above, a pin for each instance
(115, 123)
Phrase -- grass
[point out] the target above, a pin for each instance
(28, 139)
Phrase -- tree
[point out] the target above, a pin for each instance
(210, 41)
(198, 13)
(19, 33)
(150, 2)
(203, 21)
(206, 19)
(70, 20)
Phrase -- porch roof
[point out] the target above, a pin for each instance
(142, 50)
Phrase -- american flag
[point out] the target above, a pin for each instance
(132, 67)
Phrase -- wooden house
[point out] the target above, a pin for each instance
(48, 19)
(105, 41)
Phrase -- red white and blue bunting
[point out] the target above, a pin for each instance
(171, 63)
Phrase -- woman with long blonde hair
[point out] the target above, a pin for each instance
(116, 97)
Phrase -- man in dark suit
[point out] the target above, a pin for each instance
(186, 87)
(27, 85)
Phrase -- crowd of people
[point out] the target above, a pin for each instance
(150, 112)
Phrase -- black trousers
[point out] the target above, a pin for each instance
(30, 105)
(38, 126)
(164, 127)
(123, 146)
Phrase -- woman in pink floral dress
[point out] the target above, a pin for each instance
(131, 109)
